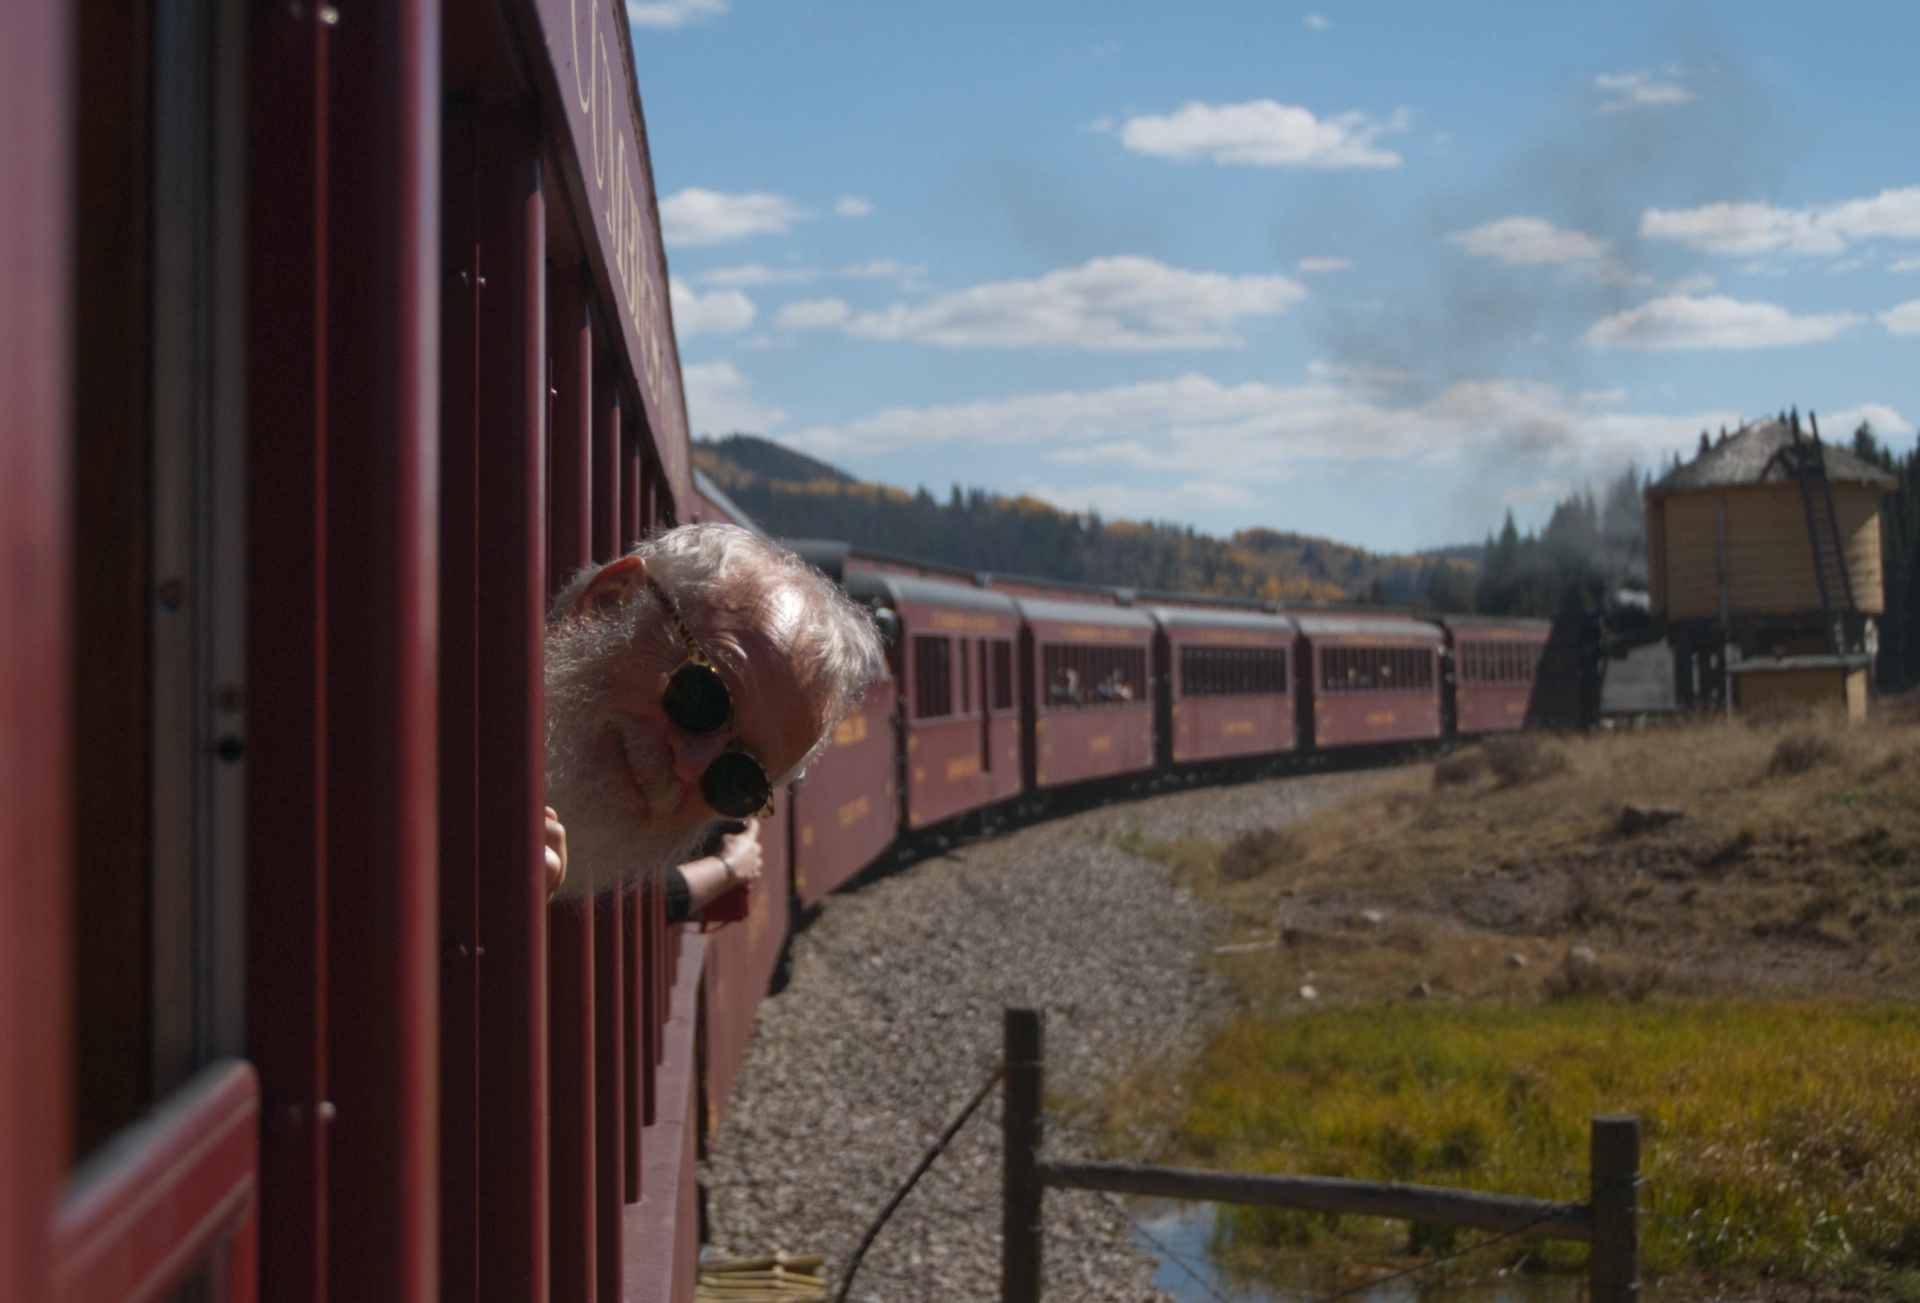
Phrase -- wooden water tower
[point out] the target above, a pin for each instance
(1763, 554)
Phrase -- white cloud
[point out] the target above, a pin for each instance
(1125, 304)
(1638, 90)
(1265, 134)
(672, 13)
(908, 274)
(1903, 320)
(1528, 242)
(1678, 321)
(853, 206)
(1905, 264)
(1320, 266)
(812, 314)
(1201, 437)
(752, 274)
(723, 312)
(1318, 22)
(720, 401)
(695, 216)
(1886, 421)
(1745, 229)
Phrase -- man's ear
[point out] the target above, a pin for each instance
(613, 584)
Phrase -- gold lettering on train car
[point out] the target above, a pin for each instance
(602, 133)
(1237, 728)
(851, 730)
(953, 620)
(573, 31)
(1381, 717)
(1097, 633)
(919, 774)
(1098, 745)
(806, 834)
(1516, 707)
(962, 767)
(853, 811)
(1249, 637)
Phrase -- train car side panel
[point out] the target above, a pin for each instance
(953, 763)
(740, 960)
(1495, 666)
(1376, 678)
(1093, 705)
(1229, 683)
(844, 809)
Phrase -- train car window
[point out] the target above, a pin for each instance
(1078, 676)
(1232, 671)
(160, 532)
(932, 676)
(966, 676)
(1376, 669)
(1002, 674)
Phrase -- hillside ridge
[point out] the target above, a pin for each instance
(796, 496)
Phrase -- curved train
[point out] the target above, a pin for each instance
(334, 339)
(1010, 698)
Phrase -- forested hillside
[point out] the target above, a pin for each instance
(796, 497)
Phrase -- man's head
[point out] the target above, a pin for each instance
(791, 653)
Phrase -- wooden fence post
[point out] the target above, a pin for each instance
(1613, 1261)
(1020, 1121)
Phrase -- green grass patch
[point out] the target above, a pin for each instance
(1779, 1139)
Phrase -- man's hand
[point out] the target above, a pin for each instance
(557, 853)
(742, 851)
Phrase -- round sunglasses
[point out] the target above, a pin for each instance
(696, 701)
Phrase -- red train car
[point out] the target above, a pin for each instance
(1227, 676)
(1085, 691)
(740, 961)
(1496, 663)
(846, 810)
(1375, 677)
(335, 337)
(954, 667)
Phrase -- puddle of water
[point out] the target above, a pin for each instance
(1178, 1235)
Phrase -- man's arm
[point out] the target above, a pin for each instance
(556, 837)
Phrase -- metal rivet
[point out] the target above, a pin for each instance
(329, 16)
(230, 749)
(327, 1111)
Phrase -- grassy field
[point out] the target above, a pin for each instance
(1444, 981)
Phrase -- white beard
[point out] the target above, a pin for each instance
(611, 783)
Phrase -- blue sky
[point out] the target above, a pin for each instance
(1376, 272)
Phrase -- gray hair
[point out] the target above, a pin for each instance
(713, 571)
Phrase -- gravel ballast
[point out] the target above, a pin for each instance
(893, 1020)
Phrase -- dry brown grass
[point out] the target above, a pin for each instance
(1791, 872)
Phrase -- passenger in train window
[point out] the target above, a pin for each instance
(686, 681)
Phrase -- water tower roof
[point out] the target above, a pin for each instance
(1751, 455)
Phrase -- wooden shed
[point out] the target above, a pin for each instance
(1770, 522)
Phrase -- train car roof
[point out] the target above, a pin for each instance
(869, 584)
(829, 556)
(1194, 617)
(1483, 623)
(1357, 626)
(1041, 608)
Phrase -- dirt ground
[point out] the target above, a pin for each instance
(1776, 858)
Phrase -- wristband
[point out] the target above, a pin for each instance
(733, 879)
